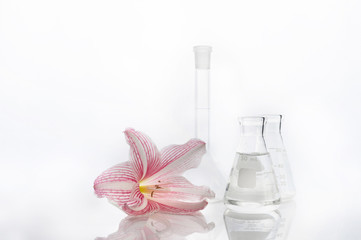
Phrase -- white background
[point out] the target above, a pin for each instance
(75, 74)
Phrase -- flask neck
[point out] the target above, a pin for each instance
(251, 130)
(272, 132)
(273, 124)
(251, 140)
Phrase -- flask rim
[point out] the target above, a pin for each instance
(251, 120)
(273, 117)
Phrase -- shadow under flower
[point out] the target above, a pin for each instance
(160, 226)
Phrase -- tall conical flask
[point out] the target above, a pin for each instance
(252, 184)
(208, 172)
(276, 148)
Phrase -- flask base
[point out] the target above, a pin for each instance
(286, 197)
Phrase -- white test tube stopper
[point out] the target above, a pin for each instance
(202, 56)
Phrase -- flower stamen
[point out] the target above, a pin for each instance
(147, 190)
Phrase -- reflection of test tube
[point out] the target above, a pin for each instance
(257, 226)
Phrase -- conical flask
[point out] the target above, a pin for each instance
(252, 184)
(275, 147)
(207, 173)
(255, 226)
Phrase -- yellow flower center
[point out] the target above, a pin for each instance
(143, 189)
(149, 190)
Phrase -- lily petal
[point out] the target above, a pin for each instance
(116, 183)
(144, 155)
(178, 187)
(177, 195)
(138, 204)
(151, 207)
(137, 201)
(176, 159)
(179, 207)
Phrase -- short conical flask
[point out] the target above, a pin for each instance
(281, 166)
(252, 184)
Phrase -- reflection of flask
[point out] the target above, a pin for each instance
(287, 212)
(252, 184)
(208, 173)
(275, 147)
(256, 226)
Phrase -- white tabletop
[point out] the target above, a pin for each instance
(291, 221)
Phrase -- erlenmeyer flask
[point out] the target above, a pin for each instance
(256, 226)
(252, 184)
(207, 173)
(275, 147)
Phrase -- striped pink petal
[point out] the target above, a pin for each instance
(150, 207)
(138, 204)
(151, 181)
(144, 155)
(176, 159)
(179, 188)
(116, 183)
(179, 207)
(177, 195)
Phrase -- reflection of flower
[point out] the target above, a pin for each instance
(150, 181)
(160, 226)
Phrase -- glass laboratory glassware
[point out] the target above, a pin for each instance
(207, 173)
(276, 148)
(256, 226)
(252, 184)
(287, 211)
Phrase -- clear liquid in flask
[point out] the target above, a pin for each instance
(252, 184)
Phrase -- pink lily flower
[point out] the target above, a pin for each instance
(151, 181)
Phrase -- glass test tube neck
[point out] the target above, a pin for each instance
(202, 76)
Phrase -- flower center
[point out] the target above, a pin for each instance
(143, 189)
(147, 190)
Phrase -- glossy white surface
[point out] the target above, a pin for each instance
(75, 73)
(292, 221)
